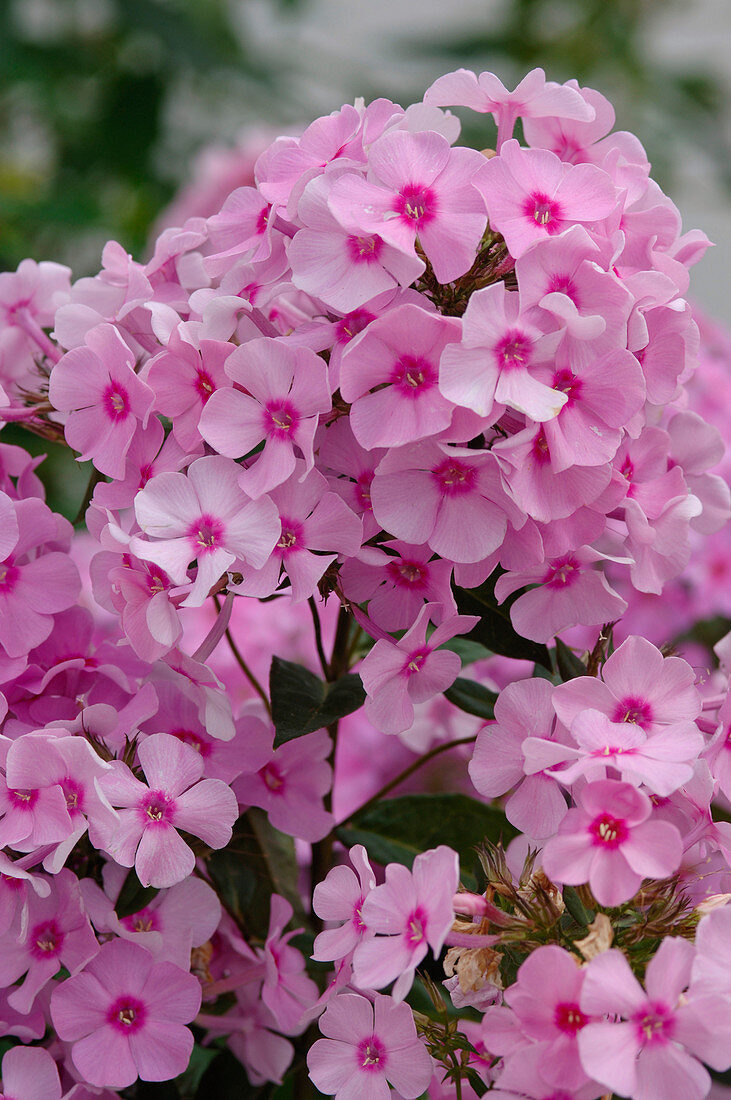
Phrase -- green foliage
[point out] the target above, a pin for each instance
(398, 829)
(133, 896)
(303, 703)
(569, 665)
(472, 697)
(259, 862)
(495, 630)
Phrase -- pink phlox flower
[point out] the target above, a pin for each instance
(252, 1036)
(418, 186)
(572, 139)
(531, 195)
(669, 346)
(176, 798)
(658, 1037)
(540, 491)
(355, 320)
(125, 1016)
(243, 226)
(398, 674)
(29, 1073)
(493, 364)
(546, 1001)
(118, 294)
(696, 447)
(638, 684)
(453, 498)
(183, 377)
(15, 885)
(340, 897)
(55, 932)
(410, 912)
(140, 593)
(660, 547)
(176, 267)
(201, 684)
(287, 991)
(712, 963)
(523, 711)
(289, 782)
(390, 374)
(34, 291)
(104, 398)
(718, 753)
(662, 762)
(203, 515)
(601, 399)
(316, 527)
(49, 758)
(534, 97)
(150, 453)
(17, 477)
(32, 817)
(175, 921)
(349, 469)
(368, 1047)
(339, 264)
(569, 591)
(521, 1078)
(178, 714)
(332, 141)
(396, 585)
(285, 392)
(611, 842)
(228, 310)
(34, 586)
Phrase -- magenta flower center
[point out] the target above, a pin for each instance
(563, 284)
(156, 582)
(194, 740)
(566, 382)
(655, 1024)
(364, 250)
(633, 709)
(562, 572)
(127, 1014)
(157, 809)
(357, 918)
(541, 454)
(608, 831)
(543, 210)
(46, 940)
(363, 490)
(281, 420)
(513, 350)
(74, 794)
(206, 533)
(204, 386)
(407, 574)
(415, 925)
(23, 799)
(273, 778)
(413, 374)
(352, 324)
(116, 402)
(415, 661)
(569, 1018)
(372, 1055)
(454, 478)
(9, 574)
(143, 921)
(290, 538)
(416, 204)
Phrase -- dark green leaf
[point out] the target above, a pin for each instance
(467, 651)
(569, 665)
(495, 630)
(472, 697)
(225, 1079)
(259, 862)
(302, 702)
(133, 896)
(397, 829)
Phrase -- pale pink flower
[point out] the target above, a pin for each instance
(533, 97)
(176, 798)
(412, 911)
(203, 515)
(29, 1073)
(367, 1048)
(340, 897)
(287, 991)
(183, 377)
(106, 401)
(653, 1046)
(125, 1016)
(610, 842)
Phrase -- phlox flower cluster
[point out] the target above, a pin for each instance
(388, 382)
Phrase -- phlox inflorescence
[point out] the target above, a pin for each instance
(441, 401)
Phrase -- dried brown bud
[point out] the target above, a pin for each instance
(600, 938)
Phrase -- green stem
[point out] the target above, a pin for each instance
(318, 637)
(405, 775)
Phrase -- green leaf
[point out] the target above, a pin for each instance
(258, 862)
(472, 697)
(569, 665)
(398, 829)
(303, 703)
(495, 630)
(133, 896)
(467, 651)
